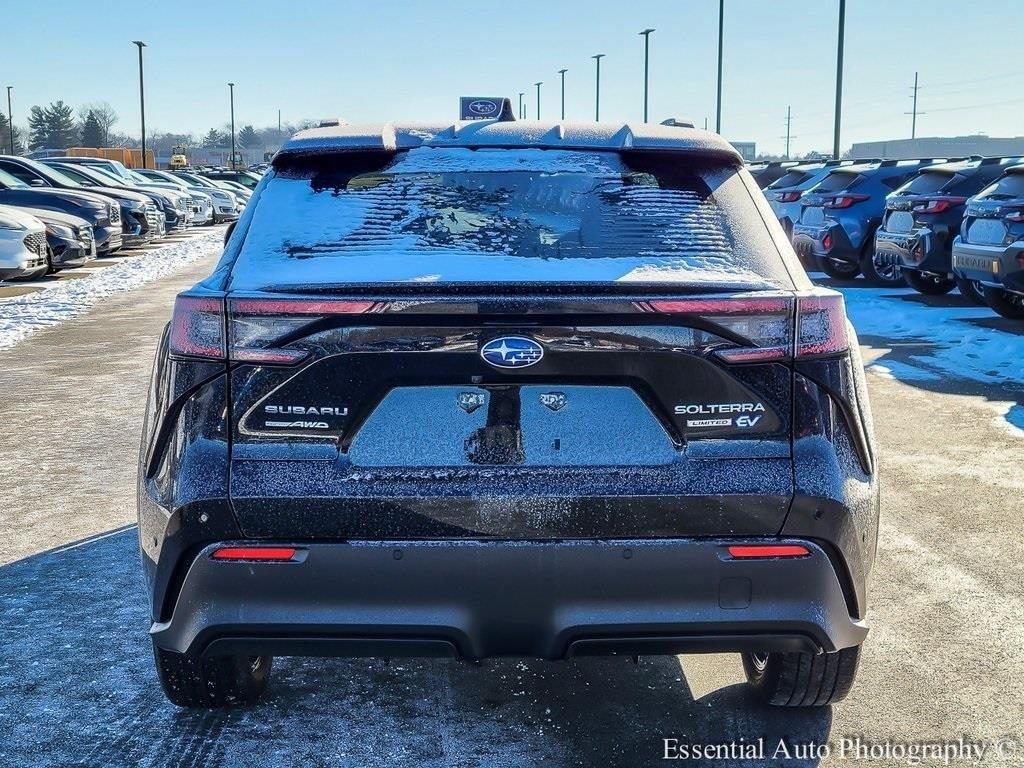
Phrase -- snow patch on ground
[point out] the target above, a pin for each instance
(25, 315)
(959, 349)
(901, 372)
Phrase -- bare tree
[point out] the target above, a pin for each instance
(105, 116)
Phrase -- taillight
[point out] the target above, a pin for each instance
(846, 200)
(821, 325)
(768, 324)
(197, 327)
(1017, 217)
(826, 242)
(937, 204)
(787, 197)
(260, 329)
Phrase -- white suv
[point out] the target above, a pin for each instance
(22, 245)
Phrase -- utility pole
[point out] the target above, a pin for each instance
(915, 113)
(562, 73)
(597, 87)
(10, 117)
(231, 87)
(839, 78)
(142, 101)
(538, 97)
(647, 51)
(721, 27)
(279, 121)
(521, 94)
(789, 119)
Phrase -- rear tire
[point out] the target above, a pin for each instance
(795, 679)
(970, 290)
(212, 681)
(881, 271)
(838, 270)
(929, 286)
(1009, 305)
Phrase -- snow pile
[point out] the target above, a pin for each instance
(957, 347)
(22, 316)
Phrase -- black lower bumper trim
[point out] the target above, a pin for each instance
(477, 599)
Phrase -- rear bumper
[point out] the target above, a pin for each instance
(476, 599)
(993, 265)
(920, 249)
(828, 241)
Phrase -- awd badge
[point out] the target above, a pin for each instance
(553, 400)
(470, 401)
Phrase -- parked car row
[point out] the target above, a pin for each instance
(934, 224)
(87, 207)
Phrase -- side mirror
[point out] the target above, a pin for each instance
(37, 183)
(228, 231)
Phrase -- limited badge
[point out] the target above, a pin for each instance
(470, 401)
(553, 400)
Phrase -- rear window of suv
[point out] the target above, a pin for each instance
(835, 182)
(456, 215)
(927, 182)
(1008, 187)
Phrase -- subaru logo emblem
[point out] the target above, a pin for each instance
(483, 107)
(512, 352)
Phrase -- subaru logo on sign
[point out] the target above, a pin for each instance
(485, 108)
(512, 352)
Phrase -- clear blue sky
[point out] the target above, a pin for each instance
(411, 60)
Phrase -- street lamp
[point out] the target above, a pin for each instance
(10, 117)
(538, 97)
(721, 25)
(839, 77)
(562, 73)
(647, 51)
(521, 94)
(597, 87)
(142, 101)
(231, 87)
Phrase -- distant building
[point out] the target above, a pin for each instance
(747, 149)
(938, 146)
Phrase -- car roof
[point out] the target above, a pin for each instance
(509, 134)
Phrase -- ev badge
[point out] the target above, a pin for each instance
(553, 400)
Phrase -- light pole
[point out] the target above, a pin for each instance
(538, 97)
(839, 77)
(521, 94)
(647, 51)
(142, 101)
(231, 87)
(597, 87)
(10, 117)
(562, 73)
(721, 28)
(789, 120)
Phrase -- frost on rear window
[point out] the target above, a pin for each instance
(490, 215)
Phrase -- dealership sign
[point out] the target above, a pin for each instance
(485, 108)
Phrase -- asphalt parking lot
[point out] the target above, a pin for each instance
(77, 686)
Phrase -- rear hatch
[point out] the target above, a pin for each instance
(510, 343)
(817, 201)
(996, 215)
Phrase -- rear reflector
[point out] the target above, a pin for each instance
(754, 551)
(261, 554)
